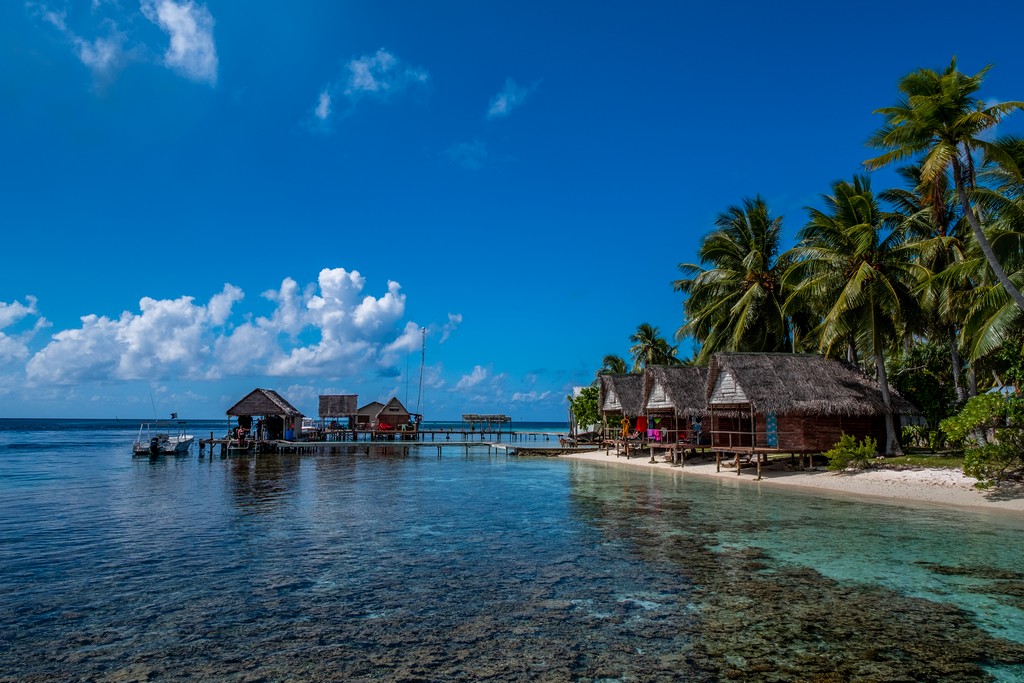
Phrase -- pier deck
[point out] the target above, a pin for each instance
(515, 442)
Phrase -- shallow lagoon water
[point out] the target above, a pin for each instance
(477, 566)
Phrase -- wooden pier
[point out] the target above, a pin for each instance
(348, 441)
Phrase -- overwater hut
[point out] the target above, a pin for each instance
(792, 403)
(674, 401)
(620, 397)
(279, 418)
(339, 407)
(377, 415)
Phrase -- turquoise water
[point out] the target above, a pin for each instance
(404, 566)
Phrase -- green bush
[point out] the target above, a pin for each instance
(848, 453)
(995, 425)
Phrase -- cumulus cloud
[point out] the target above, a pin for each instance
(14, 346)
(471, 155)
(471, 380)
(167, 338)
(190, 27)
(379, 76)
(511, 96)
(354, 330)
(331, 327)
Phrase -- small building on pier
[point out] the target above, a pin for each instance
(487, 422)
(793, 403)
(390, 415)
(339, 407)
(280, 419)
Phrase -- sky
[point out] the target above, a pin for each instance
(479, 199)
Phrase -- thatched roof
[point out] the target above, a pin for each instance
(338, 405)
(683, 388)
(263, 402)
(622, 394)
(797, 384)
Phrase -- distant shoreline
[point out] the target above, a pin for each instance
(930, 486)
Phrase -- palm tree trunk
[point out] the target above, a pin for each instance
(972, 381)
(983, 242)
(954, 356)
(892, 444)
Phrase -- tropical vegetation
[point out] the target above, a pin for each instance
(918, 285)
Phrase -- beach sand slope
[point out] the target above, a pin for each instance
(931, 486)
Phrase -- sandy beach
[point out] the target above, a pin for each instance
(912, 486)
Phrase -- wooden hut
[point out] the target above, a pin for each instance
(620, 397)
(673, 400)
(339, 406)
(390, 415)
(792, 403)
(366, 416)
(280, 418)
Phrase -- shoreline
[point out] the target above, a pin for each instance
(929, 486)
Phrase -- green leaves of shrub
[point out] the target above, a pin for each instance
(848, 453)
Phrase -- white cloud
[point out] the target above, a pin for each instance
(323, 107)
(471, 155)
(454, 320)
(354, 330)
(529, 396)
(104, 56)
(190, 26)
(169, 338)
(471, 380)
(512, 96)
(14, 346)
(380, 76)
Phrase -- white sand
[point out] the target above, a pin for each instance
(911, 486)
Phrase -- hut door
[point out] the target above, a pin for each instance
(772, 430)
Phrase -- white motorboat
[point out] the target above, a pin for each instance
(157, 438)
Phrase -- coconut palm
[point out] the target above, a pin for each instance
(858, 277)
(925, 215)
(938, 117)
(993, 314)
(735, 303)
(612, 365)
(650, 348)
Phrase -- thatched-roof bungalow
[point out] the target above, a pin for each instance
(672, 397)
(793, 403)
(280, 418)
(620, 397)
(334, 406)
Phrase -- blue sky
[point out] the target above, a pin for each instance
(200, 198)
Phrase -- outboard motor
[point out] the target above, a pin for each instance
(154, 446)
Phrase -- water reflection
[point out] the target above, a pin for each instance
(259, 484)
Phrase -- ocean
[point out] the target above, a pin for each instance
(402, 566)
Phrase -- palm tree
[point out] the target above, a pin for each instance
(612, 365)
(925, 215)
(993, 314)
(650, 348)
(736, 303)
(858, 277)
(938, 117)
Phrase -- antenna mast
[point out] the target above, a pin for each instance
(423, 360)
